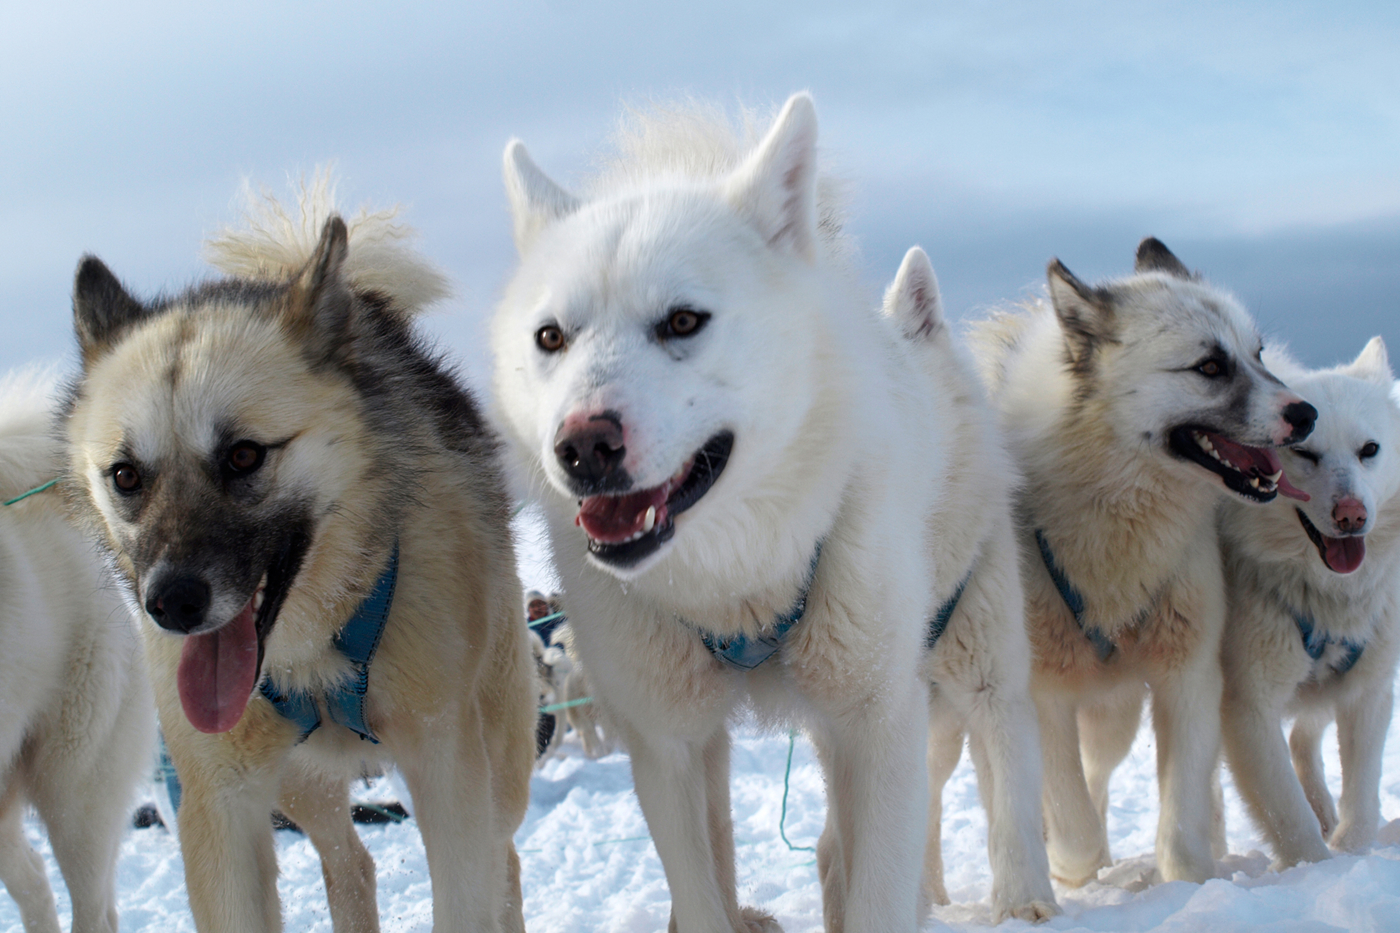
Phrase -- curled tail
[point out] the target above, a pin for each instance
(275, 241)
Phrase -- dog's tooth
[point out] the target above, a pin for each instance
(1215, 453)
(649, 522)
(257, 600)
(1275, 477)
(1254, 481)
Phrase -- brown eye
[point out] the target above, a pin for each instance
(682, 322)
(550, 338)
(125, 478)
(245, 457)
(1211, 369)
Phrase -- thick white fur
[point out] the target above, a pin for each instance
(835, 441)
(586, 719)
(1273, 569)
(1133, 527)
(271, 241)
(979, 670)
(76, 716)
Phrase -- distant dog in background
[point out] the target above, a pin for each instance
(1314, 624)
(77, 721)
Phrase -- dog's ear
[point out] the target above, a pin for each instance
(535, 200)
(102, 308)
(776, 186)
(320, 303)
(1086, 314)
(1373, 364)
(1153, 256)
(912, 300)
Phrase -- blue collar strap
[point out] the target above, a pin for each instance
(1315, 644)
(744, 653)
(1073, 598)
(357, 641)
(939, 623)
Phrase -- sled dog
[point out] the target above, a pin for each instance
(1129, 407)
(307, 511)
(978, 663)
(77, 721)
(1314, 623)
(738, 461)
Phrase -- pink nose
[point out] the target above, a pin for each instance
(1349, 514)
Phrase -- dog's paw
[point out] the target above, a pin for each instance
(1352, 837)
(1033, 912)
(758, 921)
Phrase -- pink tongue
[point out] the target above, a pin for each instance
(1344, 555)
(1285, 488)
(217, 672)
(615, 519)
(1261, 459)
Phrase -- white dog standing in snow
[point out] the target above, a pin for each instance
(978, 663)
(77, 720)
(738, 460)
(1314, 623)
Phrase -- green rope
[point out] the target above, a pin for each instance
(383, 811)
(782, 818)
(608, 842)
(538, 622)
(555, 707)
(33, 492)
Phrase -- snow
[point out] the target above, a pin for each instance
(588, 864)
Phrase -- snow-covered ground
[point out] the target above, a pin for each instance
(589, 866)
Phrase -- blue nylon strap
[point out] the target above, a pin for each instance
(357, 641)
(1315, 644)
(939, 623)
(1073, 599)
(744, 653)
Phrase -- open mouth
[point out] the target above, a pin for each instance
(1254, 472)
(219, 670)
(1341, 555)
(625, 529)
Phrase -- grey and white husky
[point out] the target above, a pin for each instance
(307, 511)
(1314, 622)
(1130, 407)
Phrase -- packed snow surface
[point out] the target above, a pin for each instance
(588, 864)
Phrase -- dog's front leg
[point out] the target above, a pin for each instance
(878, 784)
(321, 807)
(1186, 721)
(1362, 721)
(1076, 839)
(226, 841)
(674, 777)
(449, 775)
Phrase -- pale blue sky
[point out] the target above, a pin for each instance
(1260, 141)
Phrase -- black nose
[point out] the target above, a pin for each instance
(591, 451)
(1302, 416)
(179, 604)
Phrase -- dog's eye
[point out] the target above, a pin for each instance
(1369, 450)
(1307, 455)
(126, 478)
(550, 338)
(244, 457)
(1212, 368)
(682, 322)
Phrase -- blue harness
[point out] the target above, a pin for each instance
(358, 641)
(744, 653)
(1073, 599)
(939, 623)
(1315, 644)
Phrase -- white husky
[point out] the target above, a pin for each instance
(739, 461)
(76, 715)
(1314, 624)
(1128, 406)
(979, 665)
